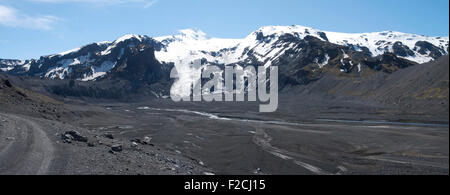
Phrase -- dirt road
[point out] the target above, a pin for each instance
(24, 147)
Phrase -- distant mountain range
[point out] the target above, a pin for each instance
(302, 53)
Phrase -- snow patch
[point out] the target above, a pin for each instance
(98, 72)
(324, 62)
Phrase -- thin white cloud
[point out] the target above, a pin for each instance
(150, 3)
(14, 18)
(145, 3)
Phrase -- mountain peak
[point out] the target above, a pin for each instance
(195, 34)
(283, 29)
(130, 36)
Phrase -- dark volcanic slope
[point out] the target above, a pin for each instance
(422, 88)
(22, 101)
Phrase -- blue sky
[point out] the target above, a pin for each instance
(31, 28)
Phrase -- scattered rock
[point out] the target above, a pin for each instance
(75, 135)
(67, 138)
(257, 171)
(134, 144)
(147, 140)
(137, 140)
(10, 138)
(91, 144)
(109, 136)
(117, 148)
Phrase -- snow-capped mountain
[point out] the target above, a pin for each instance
(299, 51)
(86, 63)
(195, 44)
(7, 65)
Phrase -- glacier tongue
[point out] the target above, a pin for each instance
(190, 45)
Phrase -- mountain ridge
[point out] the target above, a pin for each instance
(265, 46)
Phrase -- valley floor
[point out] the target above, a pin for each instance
(195, 138)
(251, 144)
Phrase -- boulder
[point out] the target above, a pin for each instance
(147, 140)
(117, 148)
(91, 144)
(109, 136)
(67, 138)
(75, 135)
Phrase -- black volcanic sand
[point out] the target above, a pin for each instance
(234, 138)
(308, 134)
(31, 145)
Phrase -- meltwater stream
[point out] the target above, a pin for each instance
(262, 139)
(216, 117)
(384, 123)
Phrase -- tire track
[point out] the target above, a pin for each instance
(29, 153)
